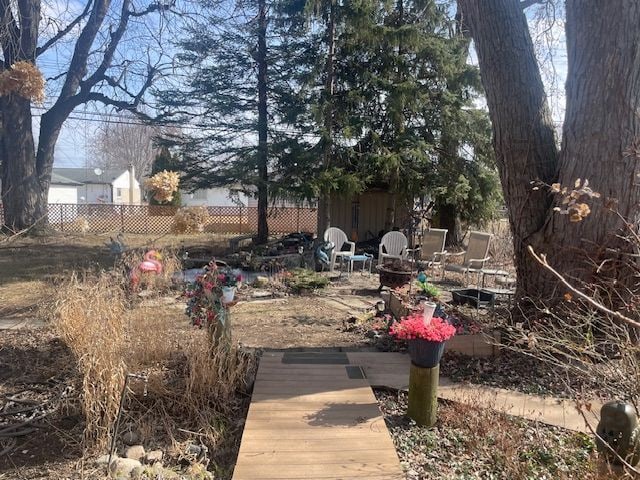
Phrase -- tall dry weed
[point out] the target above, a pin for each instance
(193, 389)
(89, 316)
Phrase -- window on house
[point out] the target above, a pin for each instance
(118, 192)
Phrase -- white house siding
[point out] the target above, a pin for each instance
(94, 193)
(213, 197)
(120, 192)
(63, 194)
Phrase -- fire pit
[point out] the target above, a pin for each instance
(394, 274)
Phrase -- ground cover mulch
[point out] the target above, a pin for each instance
(474, 443)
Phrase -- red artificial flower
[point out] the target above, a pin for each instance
(413, 327)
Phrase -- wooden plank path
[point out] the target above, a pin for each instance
(320, 421)
(390, 369)
(314, 417)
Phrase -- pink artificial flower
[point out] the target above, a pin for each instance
(413, 327)
(221, 277)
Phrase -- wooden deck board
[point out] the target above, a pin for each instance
(311, 421)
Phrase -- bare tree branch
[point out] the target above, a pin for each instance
(61, 33)
(9, 32)
(528, 3)
(598, 306)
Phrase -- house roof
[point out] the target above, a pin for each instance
(88, 175)
(57, 179)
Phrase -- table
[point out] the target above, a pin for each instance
(364, 258)
(492, 273)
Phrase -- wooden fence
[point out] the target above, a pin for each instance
(156, 219)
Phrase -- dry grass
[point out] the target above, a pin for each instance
(193, 389)
(89, 317)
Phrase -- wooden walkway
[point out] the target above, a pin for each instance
(313, 416)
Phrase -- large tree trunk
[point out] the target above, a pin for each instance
(449, 219)
(263, 152)
(324, 203)
(24, 194)
(602, 127)
(524, 138)
(603, 88)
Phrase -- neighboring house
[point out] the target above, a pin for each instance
(103, 186)
(214, 197)
(63, 190)
(226, 197)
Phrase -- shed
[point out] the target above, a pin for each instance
(363, 216)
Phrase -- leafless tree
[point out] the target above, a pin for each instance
(118, 145)
(109, 52)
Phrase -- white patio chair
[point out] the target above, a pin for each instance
(432, 247)
(339, 239)
(393, 245)
(475, 256)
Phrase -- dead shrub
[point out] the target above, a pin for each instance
(194, 389)
(89, 317)
(190, 220)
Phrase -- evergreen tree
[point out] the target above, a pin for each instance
(238, 94)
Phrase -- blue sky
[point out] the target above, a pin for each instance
(76, 136)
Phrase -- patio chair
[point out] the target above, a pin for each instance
(432, 247)
(393, 245)
(475, 256)
(339, 239)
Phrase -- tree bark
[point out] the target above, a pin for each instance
(21, 187)
(324, 206)
(601, 123)
(524, 138)
(263, 152)
(449, 219)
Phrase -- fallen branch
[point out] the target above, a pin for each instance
(542, 259)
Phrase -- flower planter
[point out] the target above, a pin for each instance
(228, 294)
(479, 345)
(424, 353)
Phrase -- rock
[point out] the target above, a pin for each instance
(103, 459)
(135, 452)
(130, 438)
(137, 473)
(261, 281)
(153, 456)
(261, 294)
(123, 466)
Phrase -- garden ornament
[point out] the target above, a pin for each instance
(117, 246)
(323, 254)
(150, 264)
(618, 430)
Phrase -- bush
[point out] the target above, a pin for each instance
(190, 219)
(300, 280)
(192, 386)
